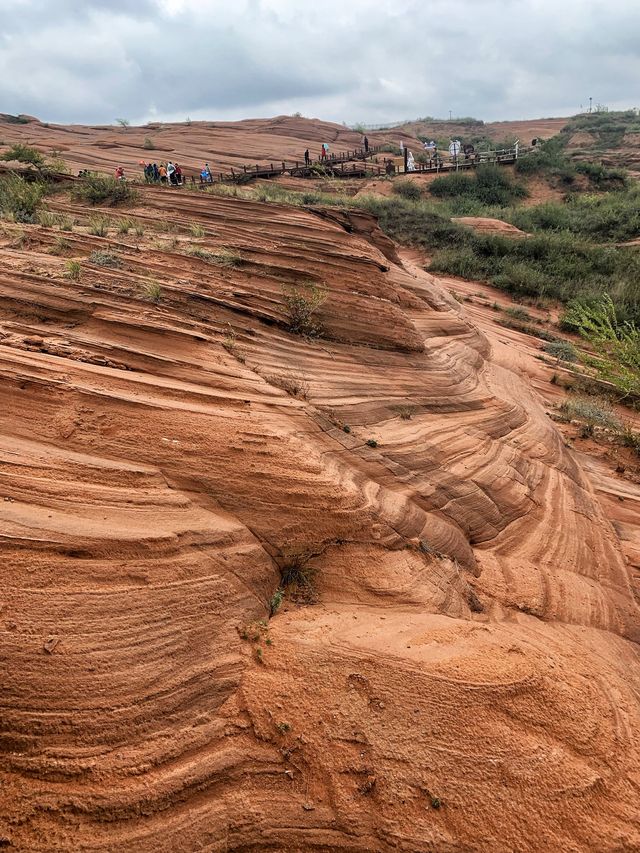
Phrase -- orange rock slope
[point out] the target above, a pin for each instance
(465, 677)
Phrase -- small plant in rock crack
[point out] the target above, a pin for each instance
(73, 270)
(371, 442)
(152, 291)
(297, 576)
(301, 304)
(99, 226)
(295, 386)
(405, 412)
(197, 230)
(283, 728)
(275, 602)
(60, 246)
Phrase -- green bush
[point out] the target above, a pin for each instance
(407, 189)
(104, 259)
(101, 189)
(20, 198)
(490, 185)
(301, 304)
(562, 350)
(24, 154)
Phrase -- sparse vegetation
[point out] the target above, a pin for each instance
(148, 144)
(407, 189)
(73, 270)
(123, 122)
(293, 385)
(405, 412)
(297, 576)
(102, 189)
(24, 154)
(489, 185)
(562, 350)
(60, 246)
(518, 313)
(152, 291)
(46, 218)
(616, 343)
(301, 304)
(591, 412)
(371, 442)
(20, 199)
(104, 259)
(196, 230)
(99, 226)
(123, 226)
(275, 602)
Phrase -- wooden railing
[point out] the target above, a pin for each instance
(449, 163)
(332, 163)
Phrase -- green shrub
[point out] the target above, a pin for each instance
(197, 230)
(389, 148)
(490, 185)
(152, 291)
(60, 246)
(102, 189)
(591, 410)
(73, 270)
(104, 259)
(407, 189)
(99, 226)
(301, 304)
(518, 313)
(562, 350)
(24, 154)
(148, 144)
(20, 198)
(617, 343)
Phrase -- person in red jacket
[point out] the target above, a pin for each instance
(120, 174)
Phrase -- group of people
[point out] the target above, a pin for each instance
(165, 173)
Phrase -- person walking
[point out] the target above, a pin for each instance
(307, 158)
(120, 174)
(171, 172)
(156, 173)
(163, 173)
(366, 145)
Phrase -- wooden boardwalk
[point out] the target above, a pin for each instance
(360, 163)
(351, 163)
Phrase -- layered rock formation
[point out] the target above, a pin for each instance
(463, 675)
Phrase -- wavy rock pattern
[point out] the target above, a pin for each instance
(472, 693)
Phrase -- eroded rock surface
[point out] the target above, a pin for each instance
(466, 679)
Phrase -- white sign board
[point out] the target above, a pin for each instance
(454, 148)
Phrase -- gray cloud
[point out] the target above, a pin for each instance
(369, 60)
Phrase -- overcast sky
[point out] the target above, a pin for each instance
(92, 61)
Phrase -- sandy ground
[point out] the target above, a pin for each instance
(464, 677)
